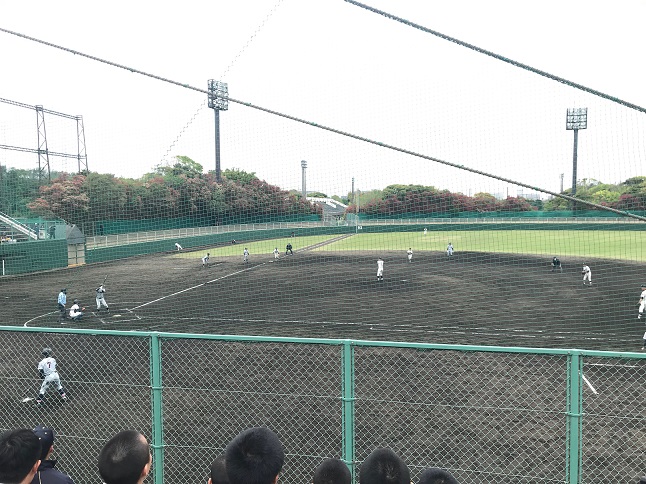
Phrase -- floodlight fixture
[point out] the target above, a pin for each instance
(218, 95)
(576, 118)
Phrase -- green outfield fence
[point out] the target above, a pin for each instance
(487, 414)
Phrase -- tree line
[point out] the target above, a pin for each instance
(182, 190)
(177, 191)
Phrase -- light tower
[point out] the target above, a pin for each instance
(218, 101)
(576, 119)
(303, 168)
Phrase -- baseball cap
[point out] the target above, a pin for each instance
(643, 284)
(46, 437)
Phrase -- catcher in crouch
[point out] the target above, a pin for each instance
(76, 312)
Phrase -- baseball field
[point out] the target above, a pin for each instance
(484, 416)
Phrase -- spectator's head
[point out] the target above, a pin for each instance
(219, 471)
(383, 466)
(433, 475)
(46, 437)
(332, 471)
(254, 456)
(19, 456)
(125, 458)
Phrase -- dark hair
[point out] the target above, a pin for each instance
(383, 466)
(19, 451)
(254, 456)
(332, 471)
(219, 471)
(433, 475)
(123, 458)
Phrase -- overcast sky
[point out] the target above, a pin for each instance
(335, 64)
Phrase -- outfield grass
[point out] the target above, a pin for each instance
(610, 244)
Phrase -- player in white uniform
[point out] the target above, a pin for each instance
(276, 253)
(380, 269)
(205, 259)
(425, 230)
(410, 254)
(76, 313)
(178, 247)
(100, 299)
(642, 301)
(587, 274)
(449, 249)
(49, 375)
(245, 255)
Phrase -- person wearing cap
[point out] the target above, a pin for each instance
(642, 301)
(587, 274)
(47, 472)
(49, 375)
(19, 456)
(62, 301)
(75, 311)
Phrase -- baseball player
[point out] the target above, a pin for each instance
(178, 247)
(410, 254)
(276, 253)
(245, 255)
(205, 259)
(642, 302)
(587, 274)
(49, 375)
(556, 264)
(62, 301)
(380, 269)
(644, 343)
(288, 249)
(76, 312)
(100, 299)
(425, 230)
(449, 249)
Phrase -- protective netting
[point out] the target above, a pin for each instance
(453, 168)
(483, 415)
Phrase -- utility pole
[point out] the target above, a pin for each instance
(576, 119)
(218, 101)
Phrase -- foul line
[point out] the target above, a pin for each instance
(589, 384)
(195, 287)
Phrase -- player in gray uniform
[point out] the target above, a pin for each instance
(276, 253)
(100, 299)
(205, 259)
(49, 375)
(245, 255)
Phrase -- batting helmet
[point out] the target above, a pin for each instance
(47, 351)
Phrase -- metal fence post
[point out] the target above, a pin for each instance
(347, 397)
(574, 412)
(157, 443)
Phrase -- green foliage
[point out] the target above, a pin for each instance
(240, 176)
(317, 195)
(180, 191)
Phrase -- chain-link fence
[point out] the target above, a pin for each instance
(505, 415)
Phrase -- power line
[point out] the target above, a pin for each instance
(231, 64)
(337, 131)
(501, 58)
